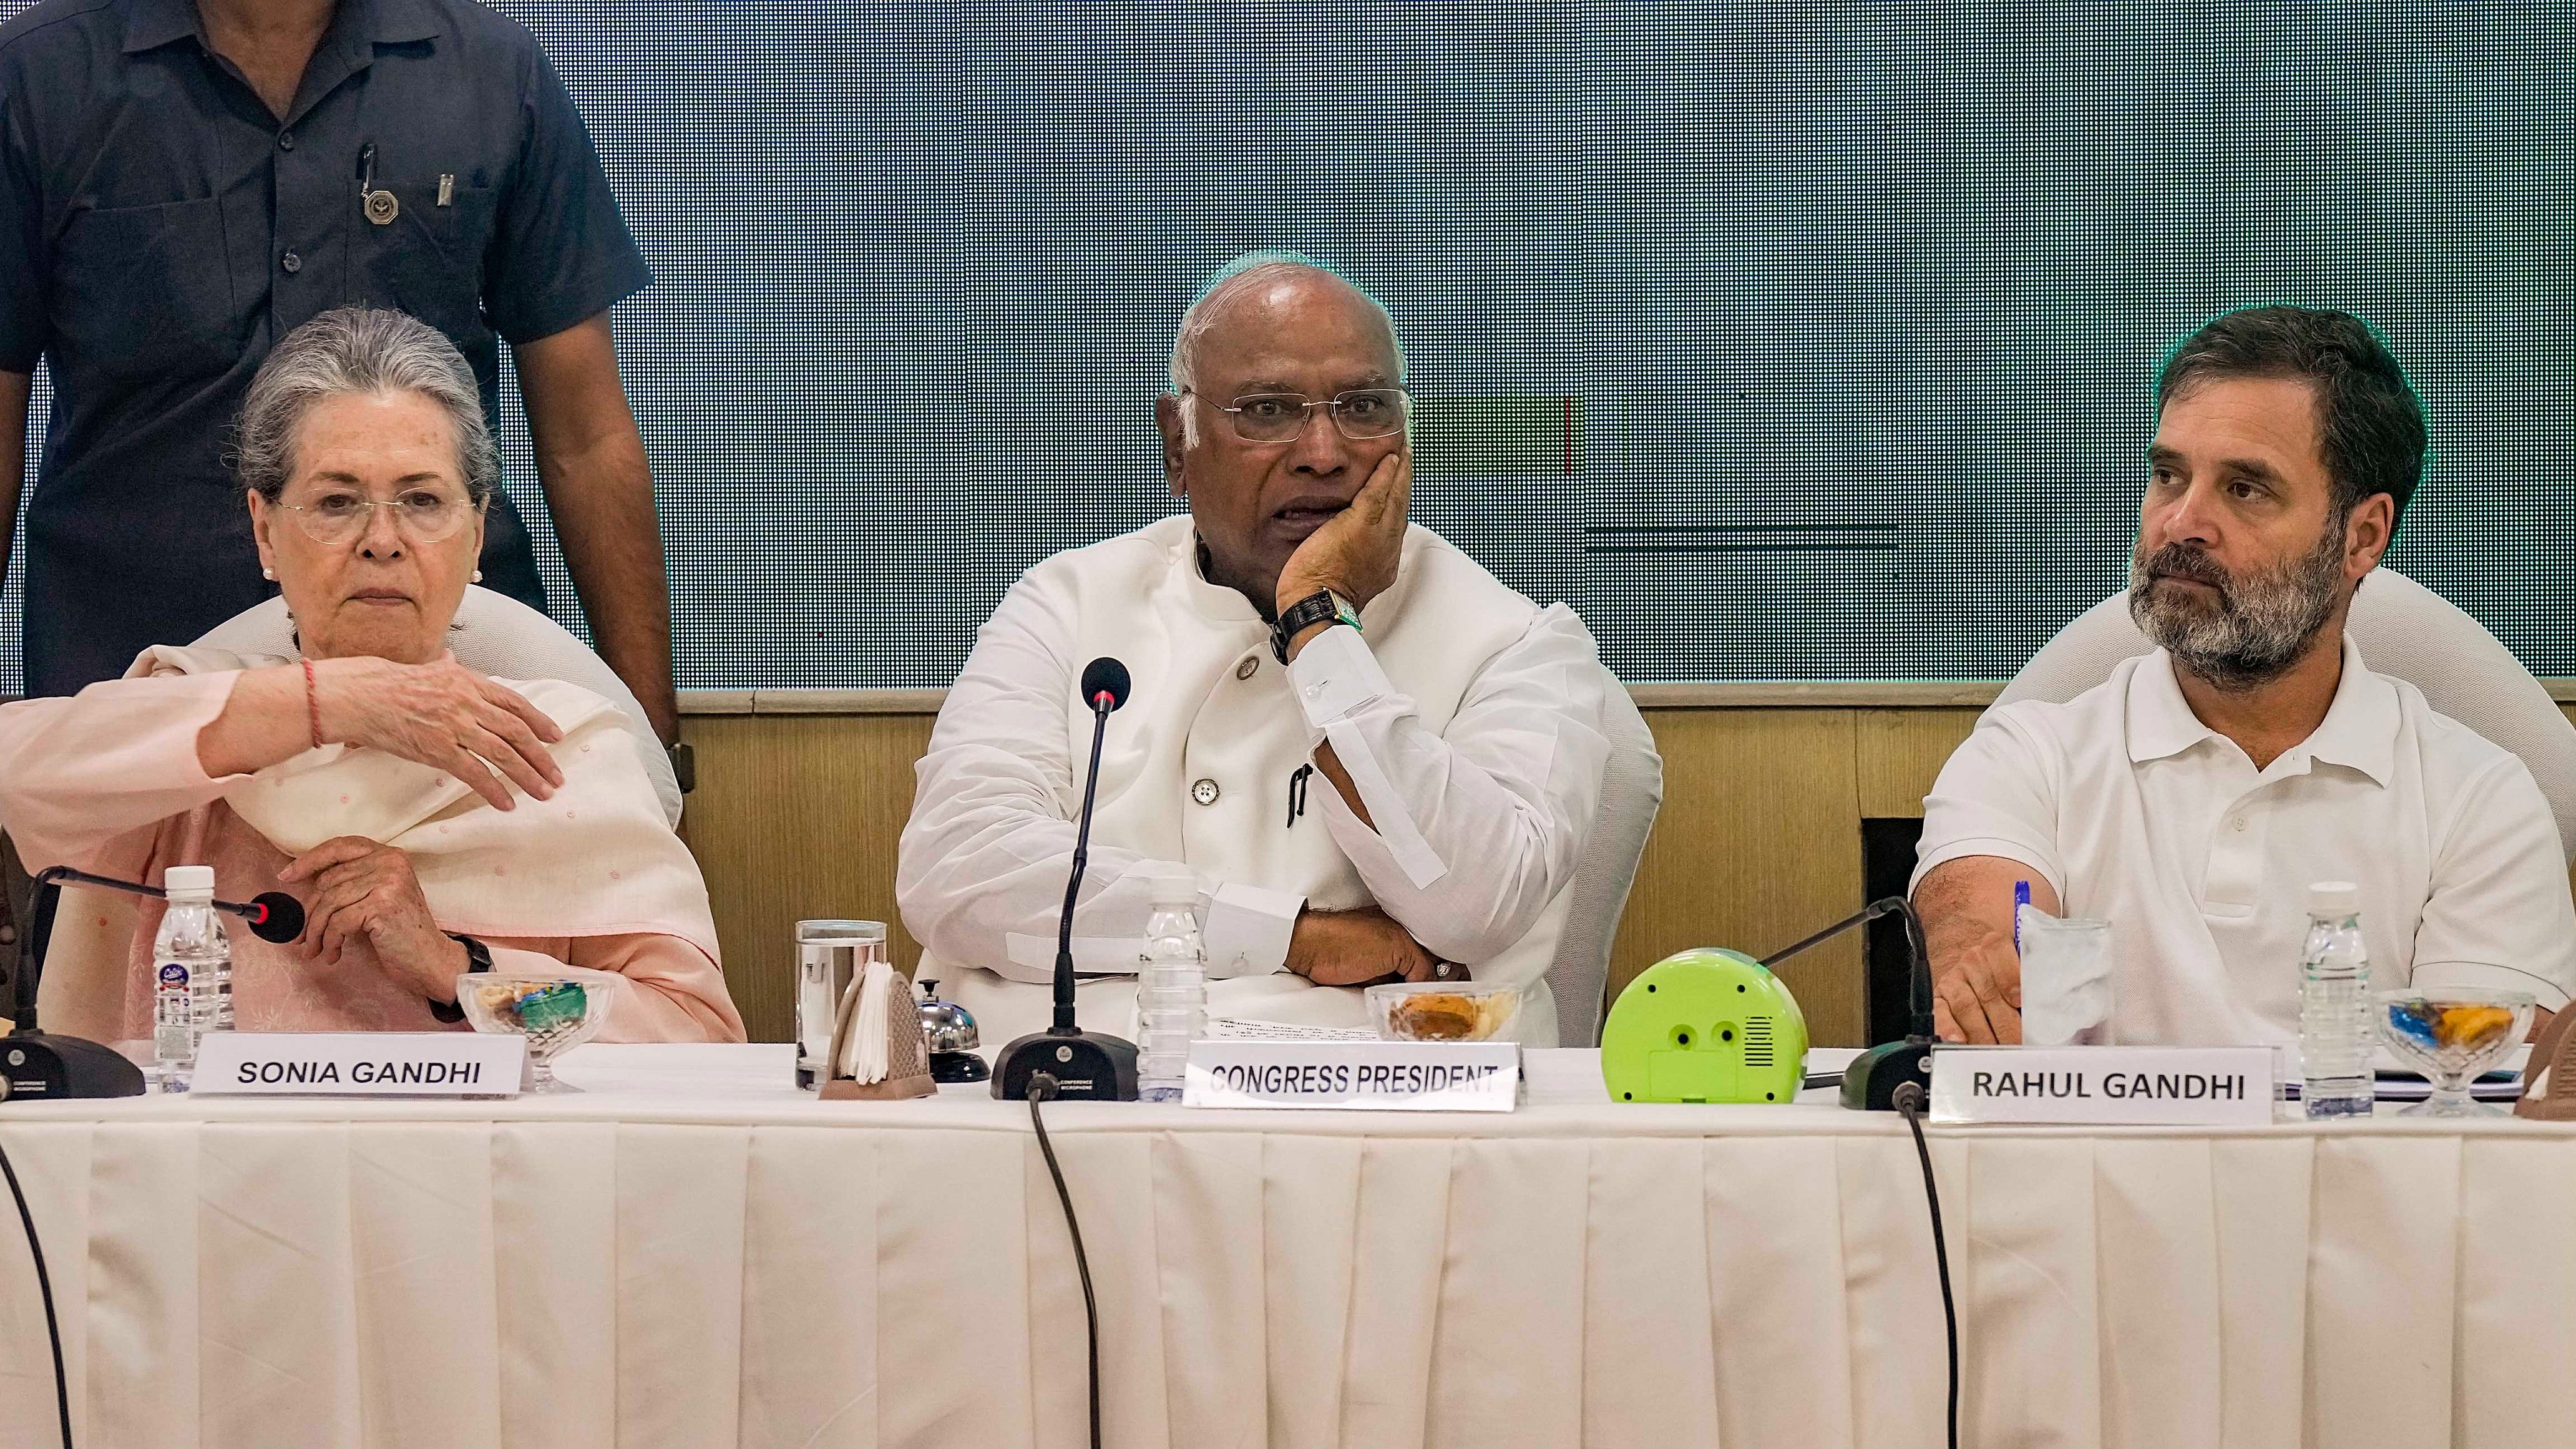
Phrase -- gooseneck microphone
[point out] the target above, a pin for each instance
(1104, 688)
(40, 1066)
(1871, 1079)
(274, 916)
(1084, 1065)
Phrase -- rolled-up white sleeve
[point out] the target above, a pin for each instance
(983, 860)
(2499, 914)
(1246, 928)
(1479, 825)
(1997, 795)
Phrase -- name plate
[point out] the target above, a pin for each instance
(2140, 1086)
(1360, 1076)
(358, 1064)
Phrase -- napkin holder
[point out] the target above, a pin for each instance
(879, 1000)
(2549, 1081)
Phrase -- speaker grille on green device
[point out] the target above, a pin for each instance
(1757, 1042)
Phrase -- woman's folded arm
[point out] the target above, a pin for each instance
(78, 774)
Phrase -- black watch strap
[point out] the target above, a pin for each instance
(1320, 607)
(478, 958)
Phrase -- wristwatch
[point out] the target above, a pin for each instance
(1320, 607)
(478, 958)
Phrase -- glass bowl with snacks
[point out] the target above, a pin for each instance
(555, 1010)
(1442, 1010)
(2452, 1034)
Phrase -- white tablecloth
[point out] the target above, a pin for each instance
(695, 1255)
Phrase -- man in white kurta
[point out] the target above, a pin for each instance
(2194, 797)
(1405, 798)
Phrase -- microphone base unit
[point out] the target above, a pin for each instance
(1088, 1066)
(37, 1066)
(1870, 1082)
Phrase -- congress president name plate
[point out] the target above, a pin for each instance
(358, 1064)
(2140, 1086)
(1366, 1076)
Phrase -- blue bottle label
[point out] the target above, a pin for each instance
(173, 974)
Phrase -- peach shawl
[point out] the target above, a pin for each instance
(596, 860)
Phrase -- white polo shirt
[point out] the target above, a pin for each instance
(2139, 814)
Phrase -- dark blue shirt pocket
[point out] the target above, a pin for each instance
(429, 261)
(146, 292)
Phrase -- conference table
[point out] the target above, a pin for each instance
(693, 1253)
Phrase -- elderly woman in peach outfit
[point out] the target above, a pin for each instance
(429, 819)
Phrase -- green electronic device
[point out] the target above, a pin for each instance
(1707, 1025)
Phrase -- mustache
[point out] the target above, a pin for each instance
(2174, 561)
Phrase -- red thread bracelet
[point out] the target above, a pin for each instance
(312, 705)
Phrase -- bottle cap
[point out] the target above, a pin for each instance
(2334, 898)
(189, 880)
(1173, 884)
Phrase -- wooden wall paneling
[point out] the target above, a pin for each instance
(796, 817)
(1901, 752)
(1758, 844)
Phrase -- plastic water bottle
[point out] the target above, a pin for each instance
(192, 989)
(1171, 988)
(2335, 1027)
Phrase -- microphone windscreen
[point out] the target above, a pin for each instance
(1104, 675)
(281, 917)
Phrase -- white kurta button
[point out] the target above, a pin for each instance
(1204, 792)
(2237, 824)
(1244, 670)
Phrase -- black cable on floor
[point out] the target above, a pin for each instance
(1041, 1087)
(45, 1287)
(1909, 1101)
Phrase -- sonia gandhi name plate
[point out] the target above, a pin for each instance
(358, 1064)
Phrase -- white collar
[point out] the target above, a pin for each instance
(1213, 602)
(2358, 732)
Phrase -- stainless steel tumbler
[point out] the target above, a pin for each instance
(829, 956)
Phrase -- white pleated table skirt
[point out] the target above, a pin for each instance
(694, 1255)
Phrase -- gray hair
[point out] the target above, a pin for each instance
(354, 351)
(1201, 314)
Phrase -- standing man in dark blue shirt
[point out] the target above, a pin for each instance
(184, 181)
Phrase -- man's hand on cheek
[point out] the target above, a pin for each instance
(1355, 553)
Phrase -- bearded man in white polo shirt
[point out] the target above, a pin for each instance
(1379, 762)
(2193, 797)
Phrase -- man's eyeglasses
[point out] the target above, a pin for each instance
(422, 515)
(1278, 417)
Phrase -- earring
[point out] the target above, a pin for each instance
(269, 574)
(478, 576)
